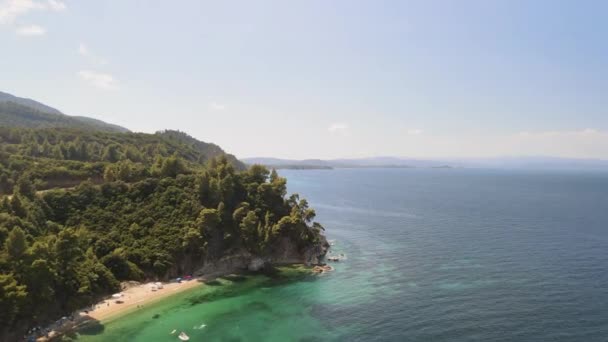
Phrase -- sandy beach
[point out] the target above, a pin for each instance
(134, 297)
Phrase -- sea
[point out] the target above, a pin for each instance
(429, 255)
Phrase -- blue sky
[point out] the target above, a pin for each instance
(324, 79)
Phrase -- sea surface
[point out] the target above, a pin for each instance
(431, 255)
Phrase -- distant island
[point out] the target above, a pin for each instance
(85, 205)
(297, 167)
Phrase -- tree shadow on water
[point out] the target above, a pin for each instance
(214, 282)
(91, 327)
(235, 278)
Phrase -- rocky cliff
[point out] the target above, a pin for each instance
(286, 252)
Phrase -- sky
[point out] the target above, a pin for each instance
(324, 79)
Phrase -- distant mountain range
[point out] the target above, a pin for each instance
(27, 113)
(396, 162)
(375, 162)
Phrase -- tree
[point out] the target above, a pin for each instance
(17, 206)
(46, 149)
(5, 204)
(6, 186)
(16, 243)
(208, 219)
(82, 150)
(56, 152)
(172, 167)
(73, 152)
(25, 187)
(111, 153)
(249, 231)
(120, 266)
(12, 298)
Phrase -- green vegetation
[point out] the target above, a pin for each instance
(6, 97)
(27, 113)
(65, 157)
(132, 207)
(15, 113)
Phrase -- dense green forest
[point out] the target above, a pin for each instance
(132, 207)
(16, 114)
(65, 157)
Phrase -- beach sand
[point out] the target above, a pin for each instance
(134, 297)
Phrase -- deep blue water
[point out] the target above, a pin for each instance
(461, 255)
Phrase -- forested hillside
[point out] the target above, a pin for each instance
(6, 97)
(25, 115)
(65, 157)
(163, 207)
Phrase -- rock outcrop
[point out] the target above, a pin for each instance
(286, 252)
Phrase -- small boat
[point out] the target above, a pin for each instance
(173, 332)
(333, 258)
(182, 336)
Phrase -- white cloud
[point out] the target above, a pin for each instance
(11, 10)
(99, 80)
(56, 5)
(414, 131)
(339, 128)
(85, 52)
(31, 30)
(217, 106)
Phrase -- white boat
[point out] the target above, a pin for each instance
(182, 336)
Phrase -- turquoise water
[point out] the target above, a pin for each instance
(433, 255)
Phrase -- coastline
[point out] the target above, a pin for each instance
(137, 297)
(134, 298)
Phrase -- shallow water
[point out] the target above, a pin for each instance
(433, 255)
